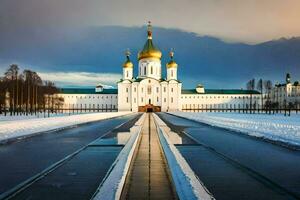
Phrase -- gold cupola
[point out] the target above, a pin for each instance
(128, 63)
(171, 63)
(149, 50)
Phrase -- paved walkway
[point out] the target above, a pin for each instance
(149, 177)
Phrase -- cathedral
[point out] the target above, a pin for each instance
(149, 91)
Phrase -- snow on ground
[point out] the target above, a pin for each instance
(23, 127)
(38, 115)
(273, 127)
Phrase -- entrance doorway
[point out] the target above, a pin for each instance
(149, 109)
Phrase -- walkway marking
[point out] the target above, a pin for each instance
(149, 177)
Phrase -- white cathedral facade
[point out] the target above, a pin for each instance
(149, 91)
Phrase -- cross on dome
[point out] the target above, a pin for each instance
(149, 27)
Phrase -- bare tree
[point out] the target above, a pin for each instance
(251, 87)
(25, 92)
(268, 87)
(260, 87)
(11, 76)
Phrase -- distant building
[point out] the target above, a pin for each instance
(150, 91)
(286, 94)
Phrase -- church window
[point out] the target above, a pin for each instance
(149, 90)
(172, 73)
(127, 100)
(127, 74)
(171, 99)
(157, 99)
(165, 100)
(145, 70)
(134, 100)
(134, 89)
(164, 89)
(157, 89)
(142, 99)
(171, 89)
(151, 69)
(127, 90)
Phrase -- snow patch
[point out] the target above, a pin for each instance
(25, 127)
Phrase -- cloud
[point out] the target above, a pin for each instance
(239, 20)
(82, 79)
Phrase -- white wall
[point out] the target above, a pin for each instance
(219, 101)
(90, 101)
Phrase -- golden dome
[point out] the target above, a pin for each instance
(128, 63)
(149, 50)
(172, 63)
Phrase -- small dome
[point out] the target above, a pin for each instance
(200, 89)
(172, 63)
(128, 63)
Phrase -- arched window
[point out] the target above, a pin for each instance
(145, 70)
(172, 74)
(127, 74)
(151, 70)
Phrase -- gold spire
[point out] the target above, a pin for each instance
(172, 63)
(149, 50)
(128, 63)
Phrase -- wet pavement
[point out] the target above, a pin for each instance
(235, 166)
(25, 158)
(149, 177)
(78, 178)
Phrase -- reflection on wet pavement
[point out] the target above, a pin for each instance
(234, 166)
(149, 178)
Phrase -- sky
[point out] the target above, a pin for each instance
(247, 21)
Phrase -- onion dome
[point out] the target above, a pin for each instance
(128, 63)
(172, 63)
(149, 50)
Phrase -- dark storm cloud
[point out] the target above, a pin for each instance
(243, 20)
